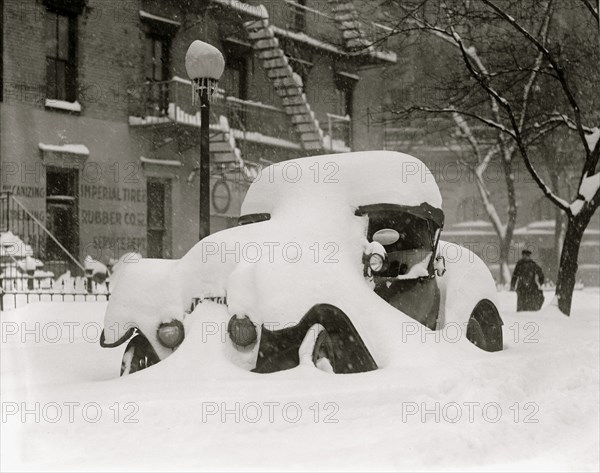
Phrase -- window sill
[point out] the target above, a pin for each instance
(63, 105)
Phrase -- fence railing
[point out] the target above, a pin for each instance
(322, 25)
(22, 289)
(256, 118)
(35, 237)
(172, 100)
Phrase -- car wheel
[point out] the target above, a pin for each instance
(138, 355)
(323, 353)
(484, 329)
(476, 335)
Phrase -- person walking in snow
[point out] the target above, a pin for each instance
(527, 280)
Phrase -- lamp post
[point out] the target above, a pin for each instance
(204, 65)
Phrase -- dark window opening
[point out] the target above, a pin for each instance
(235, 78)
(158, 195)
(156, 71)
(414, 245)
(413, 232)
(235, 83)
(61, 56)
(62, 214)
(300, 16)
(344, 85)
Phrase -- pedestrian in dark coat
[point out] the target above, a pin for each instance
(527, 280)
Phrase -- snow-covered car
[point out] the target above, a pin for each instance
(333, 256)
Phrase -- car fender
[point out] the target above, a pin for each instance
(467, 281)
(145, 296)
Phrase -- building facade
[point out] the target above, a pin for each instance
(99, 139)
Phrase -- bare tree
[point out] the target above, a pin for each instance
(535, 68)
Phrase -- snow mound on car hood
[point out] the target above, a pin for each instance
(360, 178)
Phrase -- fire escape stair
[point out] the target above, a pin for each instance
(348, 22)
(223, 146)
(287, 83)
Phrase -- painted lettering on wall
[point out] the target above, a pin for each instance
(119, 194)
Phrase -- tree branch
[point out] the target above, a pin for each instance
(592, 10)
(560, 74)
(486, 121)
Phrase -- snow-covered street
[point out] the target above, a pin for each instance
(447, 405)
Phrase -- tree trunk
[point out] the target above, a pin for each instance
(504, 272)
(559, 238)
(511, 220)
(567, 271)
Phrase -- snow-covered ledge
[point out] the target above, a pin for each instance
(161, 162)
(149, 16)
(63, 154)
(64, 105)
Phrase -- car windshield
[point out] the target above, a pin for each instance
(409, 241)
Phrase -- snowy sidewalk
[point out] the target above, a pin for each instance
(532, 406)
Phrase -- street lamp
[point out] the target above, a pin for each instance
(204, 65)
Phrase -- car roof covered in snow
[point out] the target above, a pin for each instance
(359, 178)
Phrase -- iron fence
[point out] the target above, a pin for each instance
(16, 291)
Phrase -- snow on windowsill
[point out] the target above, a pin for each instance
(161, 162)
(257, 137)
(64, 105)
(73, 149)
(150, 16)
(258, 11)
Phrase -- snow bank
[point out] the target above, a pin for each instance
(12, 245)
(545, 385)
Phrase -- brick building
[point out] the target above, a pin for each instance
(100, 141)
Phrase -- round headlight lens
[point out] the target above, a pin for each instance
(171, 334)
(242, 331)
(376, 263)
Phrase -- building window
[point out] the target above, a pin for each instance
(300, 15)
(158, 211)
(235, 78)
(157, 58)
(61, 216)
(61, 58)
(344, 85)
(156, 70)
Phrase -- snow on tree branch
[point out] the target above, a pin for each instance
(560, 73)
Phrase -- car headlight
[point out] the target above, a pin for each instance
(376, 262)
(242, 331)
(171, 334)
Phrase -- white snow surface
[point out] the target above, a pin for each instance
(12, 245)
(64, 105)
(359, 178)
(592, 138)
(549, 361)
(68, 148)
(589, 186)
